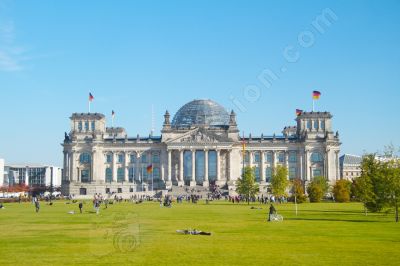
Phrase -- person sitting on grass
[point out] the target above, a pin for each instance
(272, 211)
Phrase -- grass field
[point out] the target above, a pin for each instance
(144, 234)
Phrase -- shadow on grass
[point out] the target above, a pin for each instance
(334, 220)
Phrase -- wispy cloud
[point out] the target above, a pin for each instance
(12, 55)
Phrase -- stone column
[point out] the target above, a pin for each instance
(193, 180)
(273, 160)
(206, 181)
(306, 166)
(64, 168)
(137, 166)
(126, 166)
(230, 174)
(301, 171)
(218, 165)
(72, 171)
(262, 167)
(251, 155)
(287, 162)
(114, 166)
(337, 166)
(180, 178)
(169, 165)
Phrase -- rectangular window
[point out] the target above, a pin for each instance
(257, 157)
(281, 157)
(156, 173)
(87, 126)
(257, 173)
(119, 190)
(120, 174)
(316, 124)
(187, 164)
(93, 126)
(268, 157)
(144, 158)
(268, 173)
(292, 172)
(80, 126)
(133, 158)
(317, 172)
(131, 174)
(309, 124)
(85, 176)
(323, 125)
(109, 158)
(247, 157)
(293, 157)
(156, 158)
(121, 158)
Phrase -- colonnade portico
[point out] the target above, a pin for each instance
(192, 179)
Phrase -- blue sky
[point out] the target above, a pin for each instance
(135, 54)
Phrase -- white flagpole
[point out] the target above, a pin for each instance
(89, 106)
(313, 105)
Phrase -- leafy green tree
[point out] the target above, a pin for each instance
(362, 185)
(317, 188)
(298, 191)
(390, 185)
(341, 190)
(279, 181)
(246, 185)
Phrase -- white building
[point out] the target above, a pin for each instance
(1, 172)
(201, 146)
(32, 175)
(350, 166)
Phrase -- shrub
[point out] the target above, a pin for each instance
(341, 190)
(315, 192)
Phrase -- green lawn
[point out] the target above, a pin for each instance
(129, 234)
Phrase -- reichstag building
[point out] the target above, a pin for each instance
(201, 146)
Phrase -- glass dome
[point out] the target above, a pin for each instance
(201, 112)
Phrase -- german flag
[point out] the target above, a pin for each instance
(91, 97)
(299, 112)
(149, 169)
(316, 95)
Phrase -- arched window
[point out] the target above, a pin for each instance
(85, 158)
(257, 157)
(108, 175)
(109, 158)
(121, 158)
(317, 157)
(281, 157)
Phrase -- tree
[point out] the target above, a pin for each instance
(247, 185)
(298, 191)
(279, 181)
(341, 190)
(362, 185)
(391, 185)
(317, 188)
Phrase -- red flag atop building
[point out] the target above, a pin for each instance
(91, 97)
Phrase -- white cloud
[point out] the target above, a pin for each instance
(11, 54)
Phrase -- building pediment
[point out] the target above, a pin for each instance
(199, 136)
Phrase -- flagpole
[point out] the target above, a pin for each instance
(89, 106)
(313, 105)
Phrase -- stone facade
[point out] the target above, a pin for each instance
(201, 146)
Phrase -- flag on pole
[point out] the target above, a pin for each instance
(299, 112)
(113, 114)
(316, 95)
(149, 169)
(91, 97)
